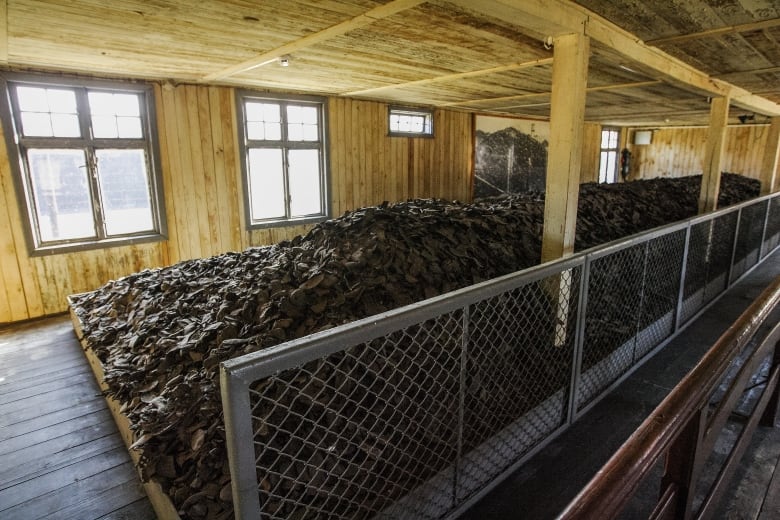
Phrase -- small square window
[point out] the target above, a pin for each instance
(410, 122)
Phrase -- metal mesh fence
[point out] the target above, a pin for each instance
(347, 436)
(751, 230)
(518, 366)
(615, 292)
(421, 414)
(772, 235)
(707, 265)
(661, 291)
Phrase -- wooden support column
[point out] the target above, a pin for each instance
(713, 155)
(769, 164)
(564, 157)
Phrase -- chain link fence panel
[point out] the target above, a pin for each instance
(707, 266)
(418, 413)
(751, 231)
(772, 234)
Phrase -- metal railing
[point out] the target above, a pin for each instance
(684, 428)
(419, 411)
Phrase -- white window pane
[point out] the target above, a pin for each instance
(603, 167)
(255, 130)
(301, 115)
(101, 103)
(126, 105)
(61, 101)
(36, 125)
(61, 194)
(613, 139)
(304, 168)
(272, 113)
(294, 114)
(266, 183)
(310, 133)
(610, 171)
(104, 127)
(273, 131)
(395, 122)
(124, 191)
(295, 132)
(65, 125)
(129, 127)
(32, 99)
(605, 139)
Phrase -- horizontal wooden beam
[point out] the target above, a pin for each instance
(765, 70)
(547, 93)
(563, 16)
(367, 18)
(710, 33)
(455, 76)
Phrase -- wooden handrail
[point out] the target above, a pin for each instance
(617, 481)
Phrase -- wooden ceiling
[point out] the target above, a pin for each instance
(652, 63)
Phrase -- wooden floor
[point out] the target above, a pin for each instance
(60, 453)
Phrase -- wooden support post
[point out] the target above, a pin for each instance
(713, 156)
(772, 411)
(684, 462)
(769, 164)
(567, 124)
(564, 160)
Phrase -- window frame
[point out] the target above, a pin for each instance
(17, 145)
(616, 150)
(428, 113)
(246, 144)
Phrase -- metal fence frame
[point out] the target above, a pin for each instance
(745, 250)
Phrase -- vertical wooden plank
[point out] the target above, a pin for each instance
(222, 207)
(205, 148)
(567, 119)
(713, 156)
(199, 226)
(233, 172)
(769, 159)
(18, 271)
(188, 194)
(170, 249)
(353, 179)
(179, 246)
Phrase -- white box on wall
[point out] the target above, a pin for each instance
(643, 136)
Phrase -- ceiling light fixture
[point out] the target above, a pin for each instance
(284, 61)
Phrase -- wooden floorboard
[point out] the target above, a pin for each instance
(61, 456)
(52, 431)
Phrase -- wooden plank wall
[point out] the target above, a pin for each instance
(203, 191)
(591, 148)
(677, 152)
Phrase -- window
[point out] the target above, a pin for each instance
(608, 162)
(285, 177)
(410, 122)
(86, 162)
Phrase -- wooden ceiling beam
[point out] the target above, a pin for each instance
(720, 31)
(455, 76)
(765, 70)
(367, 18)
(539, 94)
(573, 18)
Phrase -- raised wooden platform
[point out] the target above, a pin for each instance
(160, 501)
